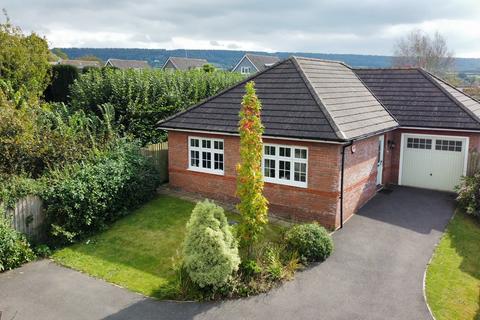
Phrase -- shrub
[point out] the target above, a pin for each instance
(210, 251)
(85, 197)
(62, 77)
(14, 248)
(142, 98)
(469, 195)
(311, 241)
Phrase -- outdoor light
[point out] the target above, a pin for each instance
(391, 144)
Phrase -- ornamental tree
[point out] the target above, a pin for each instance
(253, 205)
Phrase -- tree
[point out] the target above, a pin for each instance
(253, 206)
(473, 91)
(63, 75)
(418, 49)
(208, 67)
(59, 53)
(23, 60)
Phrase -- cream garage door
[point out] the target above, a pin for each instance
(432, 162)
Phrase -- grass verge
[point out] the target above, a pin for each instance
(453, 276)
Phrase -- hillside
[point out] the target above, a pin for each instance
(226, 59)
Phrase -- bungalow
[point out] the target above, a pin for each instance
(333, 137)
(253, 63)
(178, 63)
(127, 64)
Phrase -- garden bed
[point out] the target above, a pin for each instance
(139, 251)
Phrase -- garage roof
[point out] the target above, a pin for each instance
(417, 98)
(301, 98)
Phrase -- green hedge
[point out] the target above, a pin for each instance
(85, 197)
(14, 248)
(62, 77)
(142, 98)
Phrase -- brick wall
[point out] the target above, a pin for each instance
(360, 176)
(317, 202)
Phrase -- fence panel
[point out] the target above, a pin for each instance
(28, 217)
(473, 162)
(159, 155)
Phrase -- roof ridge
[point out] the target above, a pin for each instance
(318, 100)
(390, 68)
(221, 92)
(322, 60)
(429, 77)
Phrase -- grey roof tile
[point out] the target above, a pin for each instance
(186, 63)
(128, 64)
(419, 99)
(261, 62)
(301, 98)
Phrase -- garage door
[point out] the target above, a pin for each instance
(433, 162)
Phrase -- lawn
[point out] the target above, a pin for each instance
(453, 277)
(138, 251)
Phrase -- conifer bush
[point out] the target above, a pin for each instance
(210, 251)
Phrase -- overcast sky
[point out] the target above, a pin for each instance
(334, 26)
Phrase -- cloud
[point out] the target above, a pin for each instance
(341, 26)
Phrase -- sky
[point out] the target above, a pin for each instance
(324, 26)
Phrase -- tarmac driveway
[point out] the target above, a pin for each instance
(376, 272)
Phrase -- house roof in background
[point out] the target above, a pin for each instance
(80, 63)
(301, 98)
(261, 62)
(128, 64)
(418, 99)
(186, 63)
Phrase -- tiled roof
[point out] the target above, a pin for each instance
(418, 99)
(262, 62)
(128, 64)
(80, 63)
(187, 63)
(301, 98)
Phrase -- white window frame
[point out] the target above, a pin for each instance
(210, 150)
(277, 158)
(245, 70)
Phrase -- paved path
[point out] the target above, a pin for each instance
(376, 272)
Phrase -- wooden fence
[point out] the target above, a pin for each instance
(473, 164)
(28, 217)
(159, 155)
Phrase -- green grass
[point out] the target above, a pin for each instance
(137, 252)
(453, 277)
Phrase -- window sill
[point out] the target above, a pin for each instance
(215, 172)
(287, 183)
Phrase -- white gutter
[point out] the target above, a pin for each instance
(439, 129)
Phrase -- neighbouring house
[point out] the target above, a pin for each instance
(80, 64)
(253, 63)
(127, 64)
(184, 64)
(333, 137)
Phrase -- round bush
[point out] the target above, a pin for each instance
(14, 248)
(311, 241)
(210, 251)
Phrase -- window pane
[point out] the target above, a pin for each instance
(206, 160)
(269, 168)
(285, 152)
(206, 144)
(218, 145)
(301, 153)
(218, 161)
(269, 150)
(419, 143)
(194, 158)
(194, 143)
(300, 172)
(284, 170)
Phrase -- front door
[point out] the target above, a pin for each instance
(381, 140)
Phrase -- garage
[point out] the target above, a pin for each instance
(432, 161)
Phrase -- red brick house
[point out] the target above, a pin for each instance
(333, 136)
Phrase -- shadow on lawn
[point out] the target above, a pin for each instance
(467, 245)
